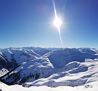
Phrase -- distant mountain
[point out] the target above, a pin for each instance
(30, 64)
(60, 57)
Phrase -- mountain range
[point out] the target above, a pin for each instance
(34, 66)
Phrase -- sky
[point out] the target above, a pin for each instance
(25, 23)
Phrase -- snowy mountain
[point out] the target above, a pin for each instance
(88, 87)
(30, 66)
(78, 74)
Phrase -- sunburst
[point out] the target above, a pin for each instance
(57, 22)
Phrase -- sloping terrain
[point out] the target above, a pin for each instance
(75, 75)
(88, 87)
(54, 67)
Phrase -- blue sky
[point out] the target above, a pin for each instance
(29, 23)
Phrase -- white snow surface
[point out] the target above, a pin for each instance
(64, 78)
(63, 69)
(88, 87)
(3, 71)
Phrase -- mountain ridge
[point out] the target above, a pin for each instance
(28, 64)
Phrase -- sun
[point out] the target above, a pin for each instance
(57, 22)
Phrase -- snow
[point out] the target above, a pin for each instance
(55, 67)
(70, 79)
(88, 87)
(3, 71)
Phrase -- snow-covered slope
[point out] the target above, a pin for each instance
(76, 75)
(88, 87)
(60, 57)
(29, 71)
(31, 66)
